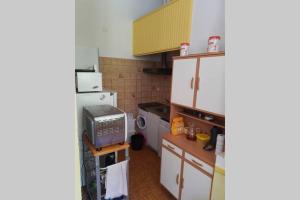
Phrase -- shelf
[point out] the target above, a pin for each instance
(105, 150)
(201, 120)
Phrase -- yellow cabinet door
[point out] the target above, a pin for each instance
(163, 29)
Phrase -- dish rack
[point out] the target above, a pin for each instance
(95, 167)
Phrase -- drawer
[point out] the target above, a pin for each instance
(172, 147)
(206, 167)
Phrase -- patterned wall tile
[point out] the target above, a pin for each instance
(125, 76)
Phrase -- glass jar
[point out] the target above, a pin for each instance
(191, 135)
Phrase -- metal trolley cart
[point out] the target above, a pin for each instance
(95, 173)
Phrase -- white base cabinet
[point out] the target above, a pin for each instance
(193, 183)
(152, 130)
(170, 172)
(196, 184)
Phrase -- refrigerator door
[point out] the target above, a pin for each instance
(89, 82)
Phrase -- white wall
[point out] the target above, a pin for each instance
(208, 20)
(107, 24)
(86, 57)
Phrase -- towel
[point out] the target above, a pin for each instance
(116, 180)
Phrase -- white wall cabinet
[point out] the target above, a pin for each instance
(196, 184)
(205, 90)
(211, 94)
(183, 81)
(170, 172)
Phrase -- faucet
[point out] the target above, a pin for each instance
(168, 101)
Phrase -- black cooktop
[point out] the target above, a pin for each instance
(144, 106)
(159, 109)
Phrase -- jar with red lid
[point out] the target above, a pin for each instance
(184, 48)
(213, 43)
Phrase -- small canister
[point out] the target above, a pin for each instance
(184, 48)
(213, 43)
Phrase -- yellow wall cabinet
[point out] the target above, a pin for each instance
(165, 28)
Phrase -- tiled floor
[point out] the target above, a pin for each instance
(144, 169)
(144, 173)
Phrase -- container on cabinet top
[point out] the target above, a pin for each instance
(184, 49)
(213, 44)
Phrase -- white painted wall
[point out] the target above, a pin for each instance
(208, 20)
(107, 24)
(86, 57)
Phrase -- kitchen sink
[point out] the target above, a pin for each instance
(162, 109)
(159, 109)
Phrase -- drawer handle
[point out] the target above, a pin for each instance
(177, 177)
(170, 147)
(192, 83)
(102, 97)
(195, 162)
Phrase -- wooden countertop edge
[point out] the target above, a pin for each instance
(205, 159)
(221, 53)
(105, 150)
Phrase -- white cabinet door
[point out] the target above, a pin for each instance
(196, 185)
(183, 81)
(211, 94)
(152, 130)
(170, 172)
(164, 128)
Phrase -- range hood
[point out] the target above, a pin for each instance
(163, 70)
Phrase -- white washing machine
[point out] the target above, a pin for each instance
(142, 122)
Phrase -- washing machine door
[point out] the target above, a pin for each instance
(141, 122)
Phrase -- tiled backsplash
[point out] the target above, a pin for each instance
(125, 76)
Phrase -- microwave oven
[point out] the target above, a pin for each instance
(88, 82)
(105, 125)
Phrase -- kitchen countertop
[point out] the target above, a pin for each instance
(163, 115)
(192, 147)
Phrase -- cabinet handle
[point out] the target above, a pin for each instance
(95, 87)
(192, 83)
(182, 181)
(102, 97)
(198, 83)
(170, 147)
(200, 165)
(177, 177)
